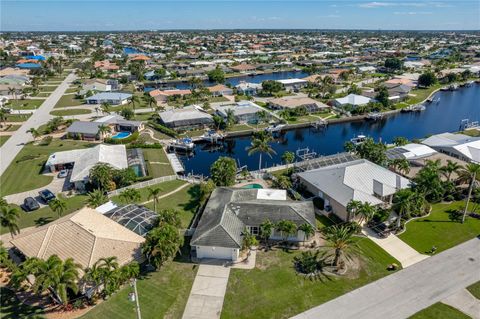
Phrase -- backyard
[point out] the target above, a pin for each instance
(274, 290)
(166, 187)
(157, 163)
(441, 229)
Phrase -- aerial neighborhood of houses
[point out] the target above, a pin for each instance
(241, 174)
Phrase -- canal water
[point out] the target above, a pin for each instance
(444, 116)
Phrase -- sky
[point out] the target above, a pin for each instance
(110, 15)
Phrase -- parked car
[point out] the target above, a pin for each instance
(46, 195)
(30, 204)
(63, 173)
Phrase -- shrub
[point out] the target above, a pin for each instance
(162, 129)
(46, 140)
(143, 145)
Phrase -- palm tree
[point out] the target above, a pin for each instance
(103, 130)
(13, 93)
(340, 239)
(307, 229)
(3, 115)
(400, 165)
(366, 211)
(130, 195)
(35, 133)
(470, 173)
(288, 157)
(154, 193)
(352, 207)
(450, 168)
(230, 119)
(58, 205)
(96, 198)
(261, 144)
(134, 99)
(150, 100)
(282, 182)
(402, 204)
(266, 230)
(9, 219)
(161, 244)
(287, 228)
(101, 176)
(105, 107)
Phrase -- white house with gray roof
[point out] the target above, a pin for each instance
(461, 146)
(359, 180)
(243, 111)
(232, 211)
(114, 98)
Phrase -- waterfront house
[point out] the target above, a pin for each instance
(360, 180)
(296, 102)
(247, 88)
(106, 65)
(161, 96)
(291, 85)
(352, 99)
(230, 212)
(461, 146)
(243, 111)
(243, 68)
(89, 131)
(190, 117)
(220, 90)
(410, 152)
(113, 98)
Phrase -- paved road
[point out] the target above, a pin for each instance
(41, 116)
(408, 291)
(464, 301)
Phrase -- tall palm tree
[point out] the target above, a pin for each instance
(352, 208)
(105, 107)
(58, 205)
(230, 119)
(35, 133)
(470, 173)
(340, 239)
(366, 211)
(3, 115)
(402, 204)
(134, 99)
(130, 195)
(150, 100)
(450, 168)
(287, 228)
(307, 229)
(103, 130)
(266, 230)
(96, 198)
(154, 193)
(161, 243)
(9, 219)
(261, 144)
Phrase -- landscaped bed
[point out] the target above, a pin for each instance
(13, 308)
(70, 112)
(439, 230)
(275, 290)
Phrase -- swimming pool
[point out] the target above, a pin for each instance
(121, 135)
(256, 186)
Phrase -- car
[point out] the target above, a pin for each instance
(63, 173)
(46, 195)
(30, 204)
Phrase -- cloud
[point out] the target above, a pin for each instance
(378, 4)
(413, 13)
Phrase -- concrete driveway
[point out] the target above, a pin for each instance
(208, 291)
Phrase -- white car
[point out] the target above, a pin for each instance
(63, 173)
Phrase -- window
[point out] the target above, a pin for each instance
(253, 230)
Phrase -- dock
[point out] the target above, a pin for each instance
(176, 163)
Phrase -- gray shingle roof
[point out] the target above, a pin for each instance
(83, 127)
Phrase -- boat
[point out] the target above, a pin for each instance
(359, 139)
(414, 108)
(453, 87)
(275, 128)
(374, 116)
(182, 144)
(212, 137)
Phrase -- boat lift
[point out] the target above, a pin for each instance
(465, 124)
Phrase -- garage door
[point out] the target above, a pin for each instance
(214, 252)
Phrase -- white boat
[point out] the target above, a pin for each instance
(414, 108)
(212, 136)
(183, 144)
(275, 128)
(374, 116)
(359, 139)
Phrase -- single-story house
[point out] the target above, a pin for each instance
(293, 84)
(352, 99)
(189, 117)
(161, 96)
(294, 102)
(360, 180)
(81, 161)
(119, 124)
(461, 146)
(410, 152)
(232, 211)
(85, 235)
(247, 88)
(90, 130)
(243, 111)
(102, 85)
(106, 66)
(243, 68)
(114, 98)
(14, 79)
(220, 90)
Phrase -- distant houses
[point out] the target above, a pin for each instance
(161, 96)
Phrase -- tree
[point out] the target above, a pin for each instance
(393, 64)
(266, 230)
(169, 216)
(101, 176)
(340, 240)
(127, 113)
(230, 119)
(9, 219)
(105, 107)
(103, 130)
(402, 204)
(96, 198)
(130, 195)
(366, 211)
(124, 177)
(450, 168)
(223, 171)
(58, 205)
(161, 244)
(248, 240)
(428, 182)
(261, 144)
(471, 171)
(307, 229)
(271, 86)
(154, 192)
(427, 79)
(374, 152)
(282, 182)
(150, 100)
(287, 228)
(35, 133)
(352, 207)
(206, 188)
(382, 96)
(134, 99)
(400, 165)
(400, 141)
(217, 75)
(288, 158)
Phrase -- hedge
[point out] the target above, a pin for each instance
(143, 145)
(133, 137)
(162, 129)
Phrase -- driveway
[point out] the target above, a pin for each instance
(41, 116)
(208, 291)
(396, 247)
(407, 291)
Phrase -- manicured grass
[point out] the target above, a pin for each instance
(165, 186)
(421, 94)
(192, 133)
(474, 133)
(12, 128)
(162, 294)
(3, 139)
(70, 112)
(47, 88)
(13, 308)
(304, 119)
(68, 100)
(239, 127)
(45, 215)
(439, 230)
(25, 104)
(475, 289)
(24, 173)
(440, 310)
(157, 163)
(43, 94)
(72, 90)
(274, 290)
(17, 117)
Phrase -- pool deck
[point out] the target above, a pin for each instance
(253, 181)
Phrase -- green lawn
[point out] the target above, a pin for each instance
(157, 163)
(421, 94)
(72, 90)
(70, 112)
(12, 128)
(17, 117)
(475, 289)
(274, 290)
(43, 94)
(165, 186)
(25, 171)
(439, 230)
(440, 311)
(45, 215)
(3, 139)
(163, 294)
(68, 100)
(47, 88)
(12, 308)
(25, 104)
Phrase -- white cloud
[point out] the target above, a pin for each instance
(413, 13)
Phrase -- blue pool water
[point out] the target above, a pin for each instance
(121, 135)
(256, 186)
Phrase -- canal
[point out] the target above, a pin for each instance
(444, 116)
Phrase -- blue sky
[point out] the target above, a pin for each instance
(89, 15)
